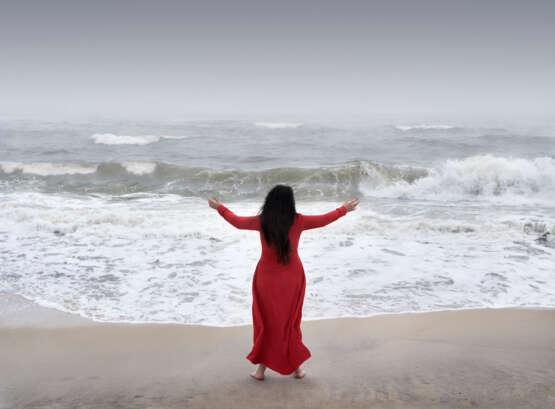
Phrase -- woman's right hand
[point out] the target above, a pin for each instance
(214, 202)
(351, 204)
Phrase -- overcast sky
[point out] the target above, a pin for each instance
(178, 58)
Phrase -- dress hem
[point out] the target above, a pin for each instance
(271, 366)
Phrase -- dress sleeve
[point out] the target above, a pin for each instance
(320, 220)
(241, 222)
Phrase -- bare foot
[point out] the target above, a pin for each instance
(299, 373)
(259, 373)
(256, 376)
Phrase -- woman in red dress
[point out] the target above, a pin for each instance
(278, 284)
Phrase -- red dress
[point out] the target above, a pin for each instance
(278, 294)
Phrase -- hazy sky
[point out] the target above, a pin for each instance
(172, 58)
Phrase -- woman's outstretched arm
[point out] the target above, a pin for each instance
(241, 222)
(320, 220)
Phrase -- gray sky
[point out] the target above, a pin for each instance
(177, 58)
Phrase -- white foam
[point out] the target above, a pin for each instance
(10, 167)
(167, 258)
(48, 168)
(139, 168)
(112, 139)
(278, 125)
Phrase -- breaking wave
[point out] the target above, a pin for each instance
(479, 176)
(475, 177)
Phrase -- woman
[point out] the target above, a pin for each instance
(278, 284)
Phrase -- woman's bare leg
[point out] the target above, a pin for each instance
(259, 373)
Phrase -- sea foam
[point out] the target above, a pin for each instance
(168, 259)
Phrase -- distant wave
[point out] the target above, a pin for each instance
(57, 169)
(112, 139)
(278, 125)
(424, 127)
(47, 168)
(483, 176)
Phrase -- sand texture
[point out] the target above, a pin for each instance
(485, 358)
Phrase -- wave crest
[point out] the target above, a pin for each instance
(48, 168)
(428, 127)
(278, 125)
(112, 139)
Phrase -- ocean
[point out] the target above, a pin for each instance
(108, 219)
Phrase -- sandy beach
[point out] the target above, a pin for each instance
(484, 358)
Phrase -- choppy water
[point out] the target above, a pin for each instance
(109, 220)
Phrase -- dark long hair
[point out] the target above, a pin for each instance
(277, 217)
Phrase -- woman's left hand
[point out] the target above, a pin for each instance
(213, 202)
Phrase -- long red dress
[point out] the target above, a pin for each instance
(278, 294)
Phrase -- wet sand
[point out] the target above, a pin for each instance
(485, 358)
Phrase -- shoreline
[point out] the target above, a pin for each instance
(17, 311)
(487, 358)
